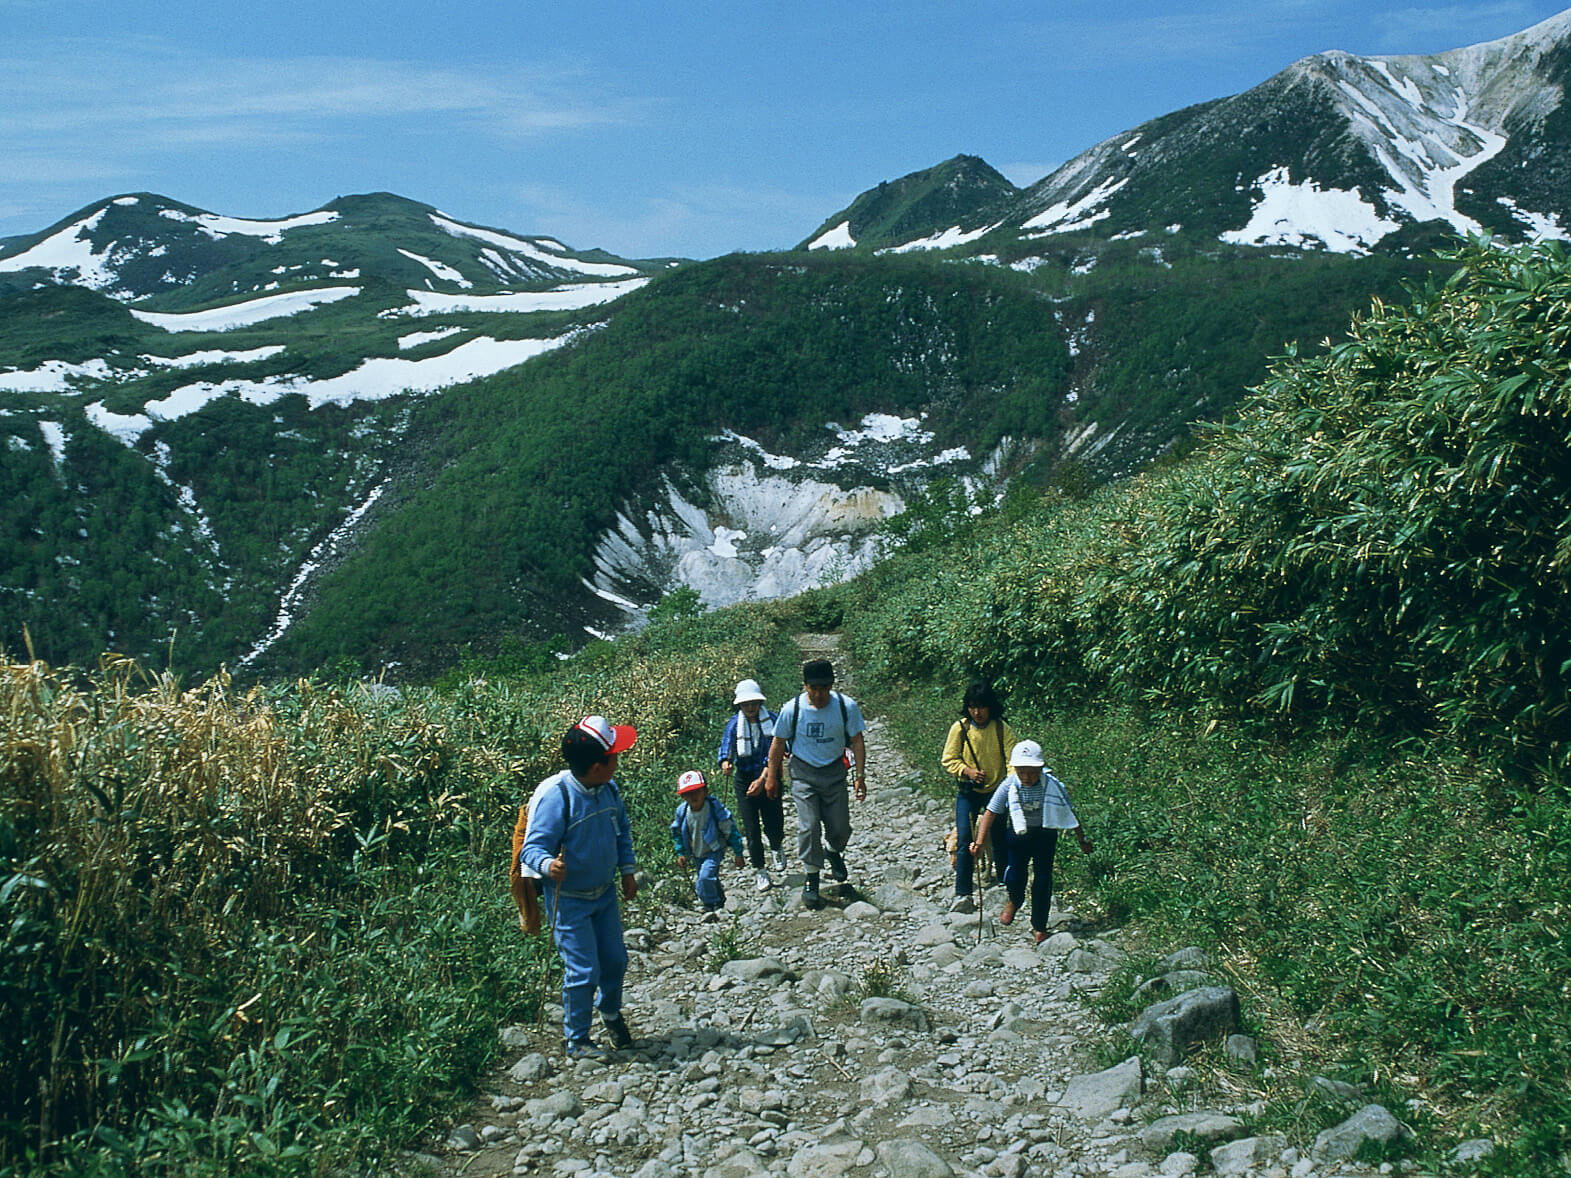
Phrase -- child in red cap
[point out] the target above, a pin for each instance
(700, 831)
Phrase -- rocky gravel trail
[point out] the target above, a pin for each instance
(883, 1036)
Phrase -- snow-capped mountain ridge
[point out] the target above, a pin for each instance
(139, 245)
(1339, 151)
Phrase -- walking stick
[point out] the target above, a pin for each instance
(545, 974)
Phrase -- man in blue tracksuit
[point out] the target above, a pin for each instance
(579, 840)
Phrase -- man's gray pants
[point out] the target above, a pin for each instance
(821, 798)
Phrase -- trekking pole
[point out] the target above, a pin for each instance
(545, 973)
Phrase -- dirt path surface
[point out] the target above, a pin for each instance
(884, 1035)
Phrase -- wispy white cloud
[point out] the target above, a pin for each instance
(1450, 26)
(146, 96)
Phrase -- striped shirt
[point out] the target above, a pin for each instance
(1044, 804)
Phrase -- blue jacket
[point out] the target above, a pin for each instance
(719, 828)
(752, 766)
(593, 834)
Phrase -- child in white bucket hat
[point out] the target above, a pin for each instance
(744, 756)
(1037, 804)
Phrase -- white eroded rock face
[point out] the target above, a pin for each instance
(766, 535)
(758, 525)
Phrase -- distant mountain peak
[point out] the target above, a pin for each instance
(957, 198)
(138, 245)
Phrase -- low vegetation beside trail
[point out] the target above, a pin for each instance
(269, 931)
(1313, 689)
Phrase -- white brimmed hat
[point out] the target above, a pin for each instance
(689, 781)
(747, 691)
(1027, 753)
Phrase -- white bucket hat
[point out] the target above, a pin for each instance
(746, 692)
(1027, 753)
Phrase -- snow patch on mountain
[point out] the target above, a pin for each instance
(1067, 216)
(572, 297)
(272, 232)
(946, 239)
(328, 548)
(53, 376)
(441, 269)
(68, 252)
(214, 356)
(530, 249)
(375, 379)
(1305, 215)
(126, 427)
(415, 338)
(54, 438)
(838, 238)
(1544, 226)
(245, 314)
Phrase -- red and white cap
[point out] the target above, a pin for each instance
(689, 781)
(614, 738)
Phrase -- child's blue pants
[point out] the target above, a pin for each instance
(589, 938)
(710, 893)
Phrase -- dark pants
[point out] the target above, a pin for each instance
(758, 812)
(1032, 850)
(969, 807)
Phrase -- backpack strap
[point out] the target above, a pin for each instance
(965, 728)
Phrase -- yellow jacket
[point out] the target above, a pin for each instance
(987, 749)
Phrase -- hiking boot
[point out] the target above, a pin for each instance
(621, 1037)
(585, 1049)
(1007, 916)
(810, 896)
(780, 860)
(764, 882)
(962, 903)
(837, 866)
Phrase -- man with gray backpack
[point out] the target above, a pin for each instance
(818, 729)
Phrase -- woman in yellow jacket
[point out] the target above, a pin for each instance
(975, 754)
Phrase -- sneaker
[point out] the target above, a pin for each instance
(585, 1049)
(962, 903)
(764, 882)
(837, 866)
(621, 1037)
(780, 860)
(810, 896)
(1007, 916)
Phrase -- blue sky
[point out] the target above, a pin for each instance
(677, 127)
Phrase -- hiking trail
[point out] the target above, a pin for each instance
(884, 1036)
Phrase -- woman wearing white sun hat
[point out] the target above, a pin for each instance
(744, 753)
(1037, 804)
